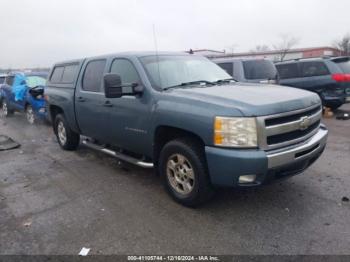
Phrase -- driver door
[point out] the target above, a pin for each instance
(129, 115)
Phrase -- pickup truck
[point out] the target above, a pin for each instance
(185, 117)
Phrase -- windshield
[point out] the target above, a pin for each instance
(33, 81)
(259, 69)
(168, 70)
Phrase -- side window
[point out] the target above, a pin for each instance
(9, 80)
(56, 75)
(2, 80)
(286, 71)
(313, 69)
(126, 70)
(69, 74)
(92, 79)
(228, 67)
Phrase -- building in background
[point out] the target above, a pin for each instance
(274, 55)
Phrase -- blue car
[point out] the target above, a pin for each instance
(24, 92)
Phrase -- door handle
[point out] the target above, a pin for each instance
(81, 99)
(108, 104)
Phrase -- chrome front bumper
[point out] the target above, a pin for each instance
(308, 149)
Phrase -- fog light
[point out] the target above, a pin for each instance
(247, 179)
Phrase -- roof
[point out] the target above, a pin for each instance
(271, 52)
(130, 53)
(332, 58)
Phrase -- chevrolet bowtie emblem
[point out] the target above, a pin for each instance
(304, 122)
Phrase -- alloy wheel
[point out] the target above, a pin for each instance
(180, 174)
(61, 132)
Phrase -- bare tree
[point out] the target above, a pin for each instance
(284, 45)
(260, 48)
(343, 44)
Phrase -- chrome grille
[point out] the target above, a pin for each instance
(289, 128)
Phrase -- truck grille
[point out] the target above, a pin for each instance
(289, 128)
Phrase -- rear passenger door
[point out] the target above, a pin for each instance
(314, 76)
(89, 100)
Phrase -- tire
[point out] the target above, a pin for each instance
(30, 115)
(66, 137)
(6, 111)
(184, 172)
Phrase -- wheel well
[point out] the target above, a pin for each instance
(164, 134)
(54, 111)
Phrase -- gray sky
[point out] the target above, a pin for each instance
(41, 32)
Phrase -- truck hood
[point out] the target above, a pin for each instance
(251, 99)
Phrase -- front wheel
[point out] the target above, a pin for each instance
(66, 137)
(184, 172)
(31, 117)
(6, 111)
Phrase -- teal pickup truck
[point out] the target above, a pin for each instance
(186, 117)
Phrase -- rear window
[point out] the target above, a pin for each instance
(228, 67)
(313, 68)
(69, 74)
(287, 71)
(65, 74)
(259, 69)
(344, 65)
(57, 73)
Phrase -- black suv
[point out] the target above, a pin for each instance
(329, 77)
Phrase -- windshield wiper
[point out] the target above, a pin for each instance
(190, 83)
(227, 80)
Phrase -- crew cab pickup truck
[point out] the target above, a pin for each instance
(183, 115)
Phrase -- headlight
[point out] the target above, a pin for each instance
(235, 132)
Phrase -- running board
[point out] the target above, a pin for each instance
(118, 155)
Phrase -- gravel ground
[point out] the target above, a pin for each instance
(56, 202)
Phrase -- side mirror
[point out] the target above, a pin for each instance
(114, 88)
(36, 91)
(112, 85)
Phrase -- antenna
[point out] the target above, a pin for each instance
(156, 47)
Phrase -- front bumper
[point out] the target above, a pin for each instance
(227, 165)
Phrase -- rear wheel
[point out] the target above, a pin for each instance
(184, 172)
(6, 111)
(66, 137)
(31, 117)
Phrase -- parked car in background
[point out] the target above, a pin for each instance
(344, 64)
(327, 76)
(183, 115)
(249, 69)
(2, 79)
(24, 92)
